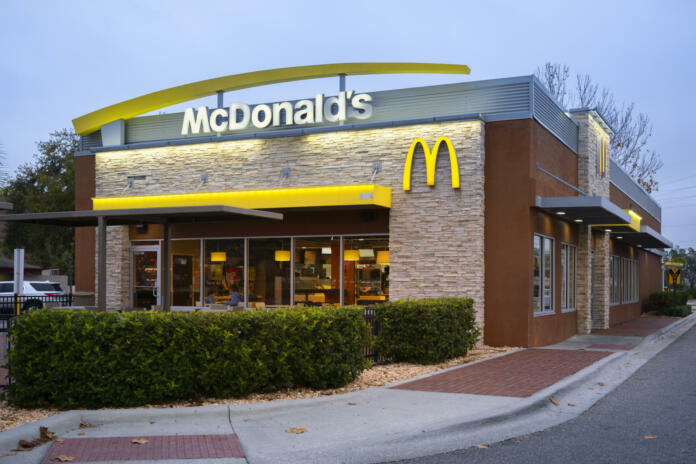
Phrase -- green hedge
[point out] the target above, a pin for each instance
(426, 331)
(663, 302)
(85, 359)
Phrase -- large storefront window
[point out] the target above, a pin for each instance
(543, 274)
(224, 271)
(365, 270)
(269, 272)
(186, 272)
(317, 271)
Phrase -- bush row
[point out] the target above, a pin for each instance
(85, 359)
(664, 302)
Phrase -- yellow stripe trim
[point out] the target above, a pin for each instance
(163, 98)
(291, 197)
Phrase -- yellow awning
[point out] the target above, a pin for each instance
(291, 197)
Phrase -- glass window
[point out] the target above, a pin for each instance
(269, 272)
(568, 276)
(615, 280)
(548, 274)
(317, 271)
(224, 271)
(186, 273)
(365, 270)
(537, 274)
(543, 274)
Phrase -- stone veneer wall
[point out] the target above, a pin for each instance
(600, 310)
(436, 233)
(584, 280)
(592, 311)
(117, 267)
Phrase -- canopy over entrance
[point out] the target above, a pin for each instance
(162, 215)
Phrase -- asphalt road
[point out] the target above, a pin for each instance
(658, 401)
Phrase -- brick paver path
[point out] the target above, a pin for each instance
(641, 327)
(519, 374)
(164, 447)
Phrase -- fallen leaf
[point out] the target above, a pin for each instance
(482, 446)
(84, 425)
(352, 404)
(81, 433)
(44, 437)
(571, 404)
(601, 384)
(60, 440)
(650, 437)
(139, 441)
(553, 400)
(296, 430)
(62, 458)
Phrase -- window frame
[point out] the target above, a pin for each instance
(542, 240)
(566, 306)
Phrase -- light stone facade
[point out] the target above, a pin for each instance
(436, 233)
(593, 310)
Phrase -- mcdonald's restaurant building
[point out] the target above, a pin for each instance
(483, 189)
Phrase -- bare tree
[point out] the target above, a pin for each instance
(629, 145)
(555, 76)
(3, 167)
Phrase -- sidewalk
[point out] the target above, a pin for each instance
(482, 402)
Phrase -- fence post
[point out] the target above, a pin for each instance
(17, 302)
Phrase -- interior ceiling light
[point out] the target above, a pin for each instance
(560, 213)
(607, 230)
(577, 220)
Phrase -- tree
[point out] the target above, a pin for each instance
(3, 166)
(629, 145)
(45, 184)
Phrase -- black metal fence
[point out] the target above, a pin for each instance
(371, 352)
(13, 305)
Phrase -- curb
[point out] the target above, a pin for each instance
(65, 422)
(678, 323)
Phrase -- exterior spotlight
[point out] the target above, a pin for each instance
(577, 220)
(560, 213)
(607, 230)
(619, 238)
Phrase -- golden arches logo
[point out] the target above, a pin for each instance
(431, 161)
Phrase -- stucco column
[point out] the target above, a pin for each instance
(600, 309)
(584, 280)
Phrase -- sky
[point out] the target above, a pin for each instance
(64, 59)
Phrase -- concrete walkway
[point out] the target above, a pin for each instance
(481, 402)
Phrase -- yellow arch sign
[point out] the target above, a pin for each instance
(163, 98)
(431, 161)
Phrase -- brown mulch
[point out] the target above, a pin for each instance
(375, 376)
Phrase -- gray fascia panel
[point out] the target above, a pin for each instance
(635, 192)
(292, 132)
(613, 213)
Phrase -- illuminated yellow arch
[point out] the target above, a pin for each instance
(431, 161)
(163, 98)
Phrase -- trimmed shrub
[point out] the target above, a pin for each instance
(678, 311)
(659, 301)
(669, 303)
(85, 359)
(426, 331)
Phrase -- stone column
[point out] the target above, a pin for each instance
(600, 309)
(117, 268)
(584, 280)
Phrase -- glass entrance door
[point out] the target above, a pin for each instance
(146, 278)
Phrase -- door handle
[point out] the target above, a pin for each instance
(155, 290)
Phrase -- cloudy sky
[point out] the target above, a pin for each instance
(64, 59)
